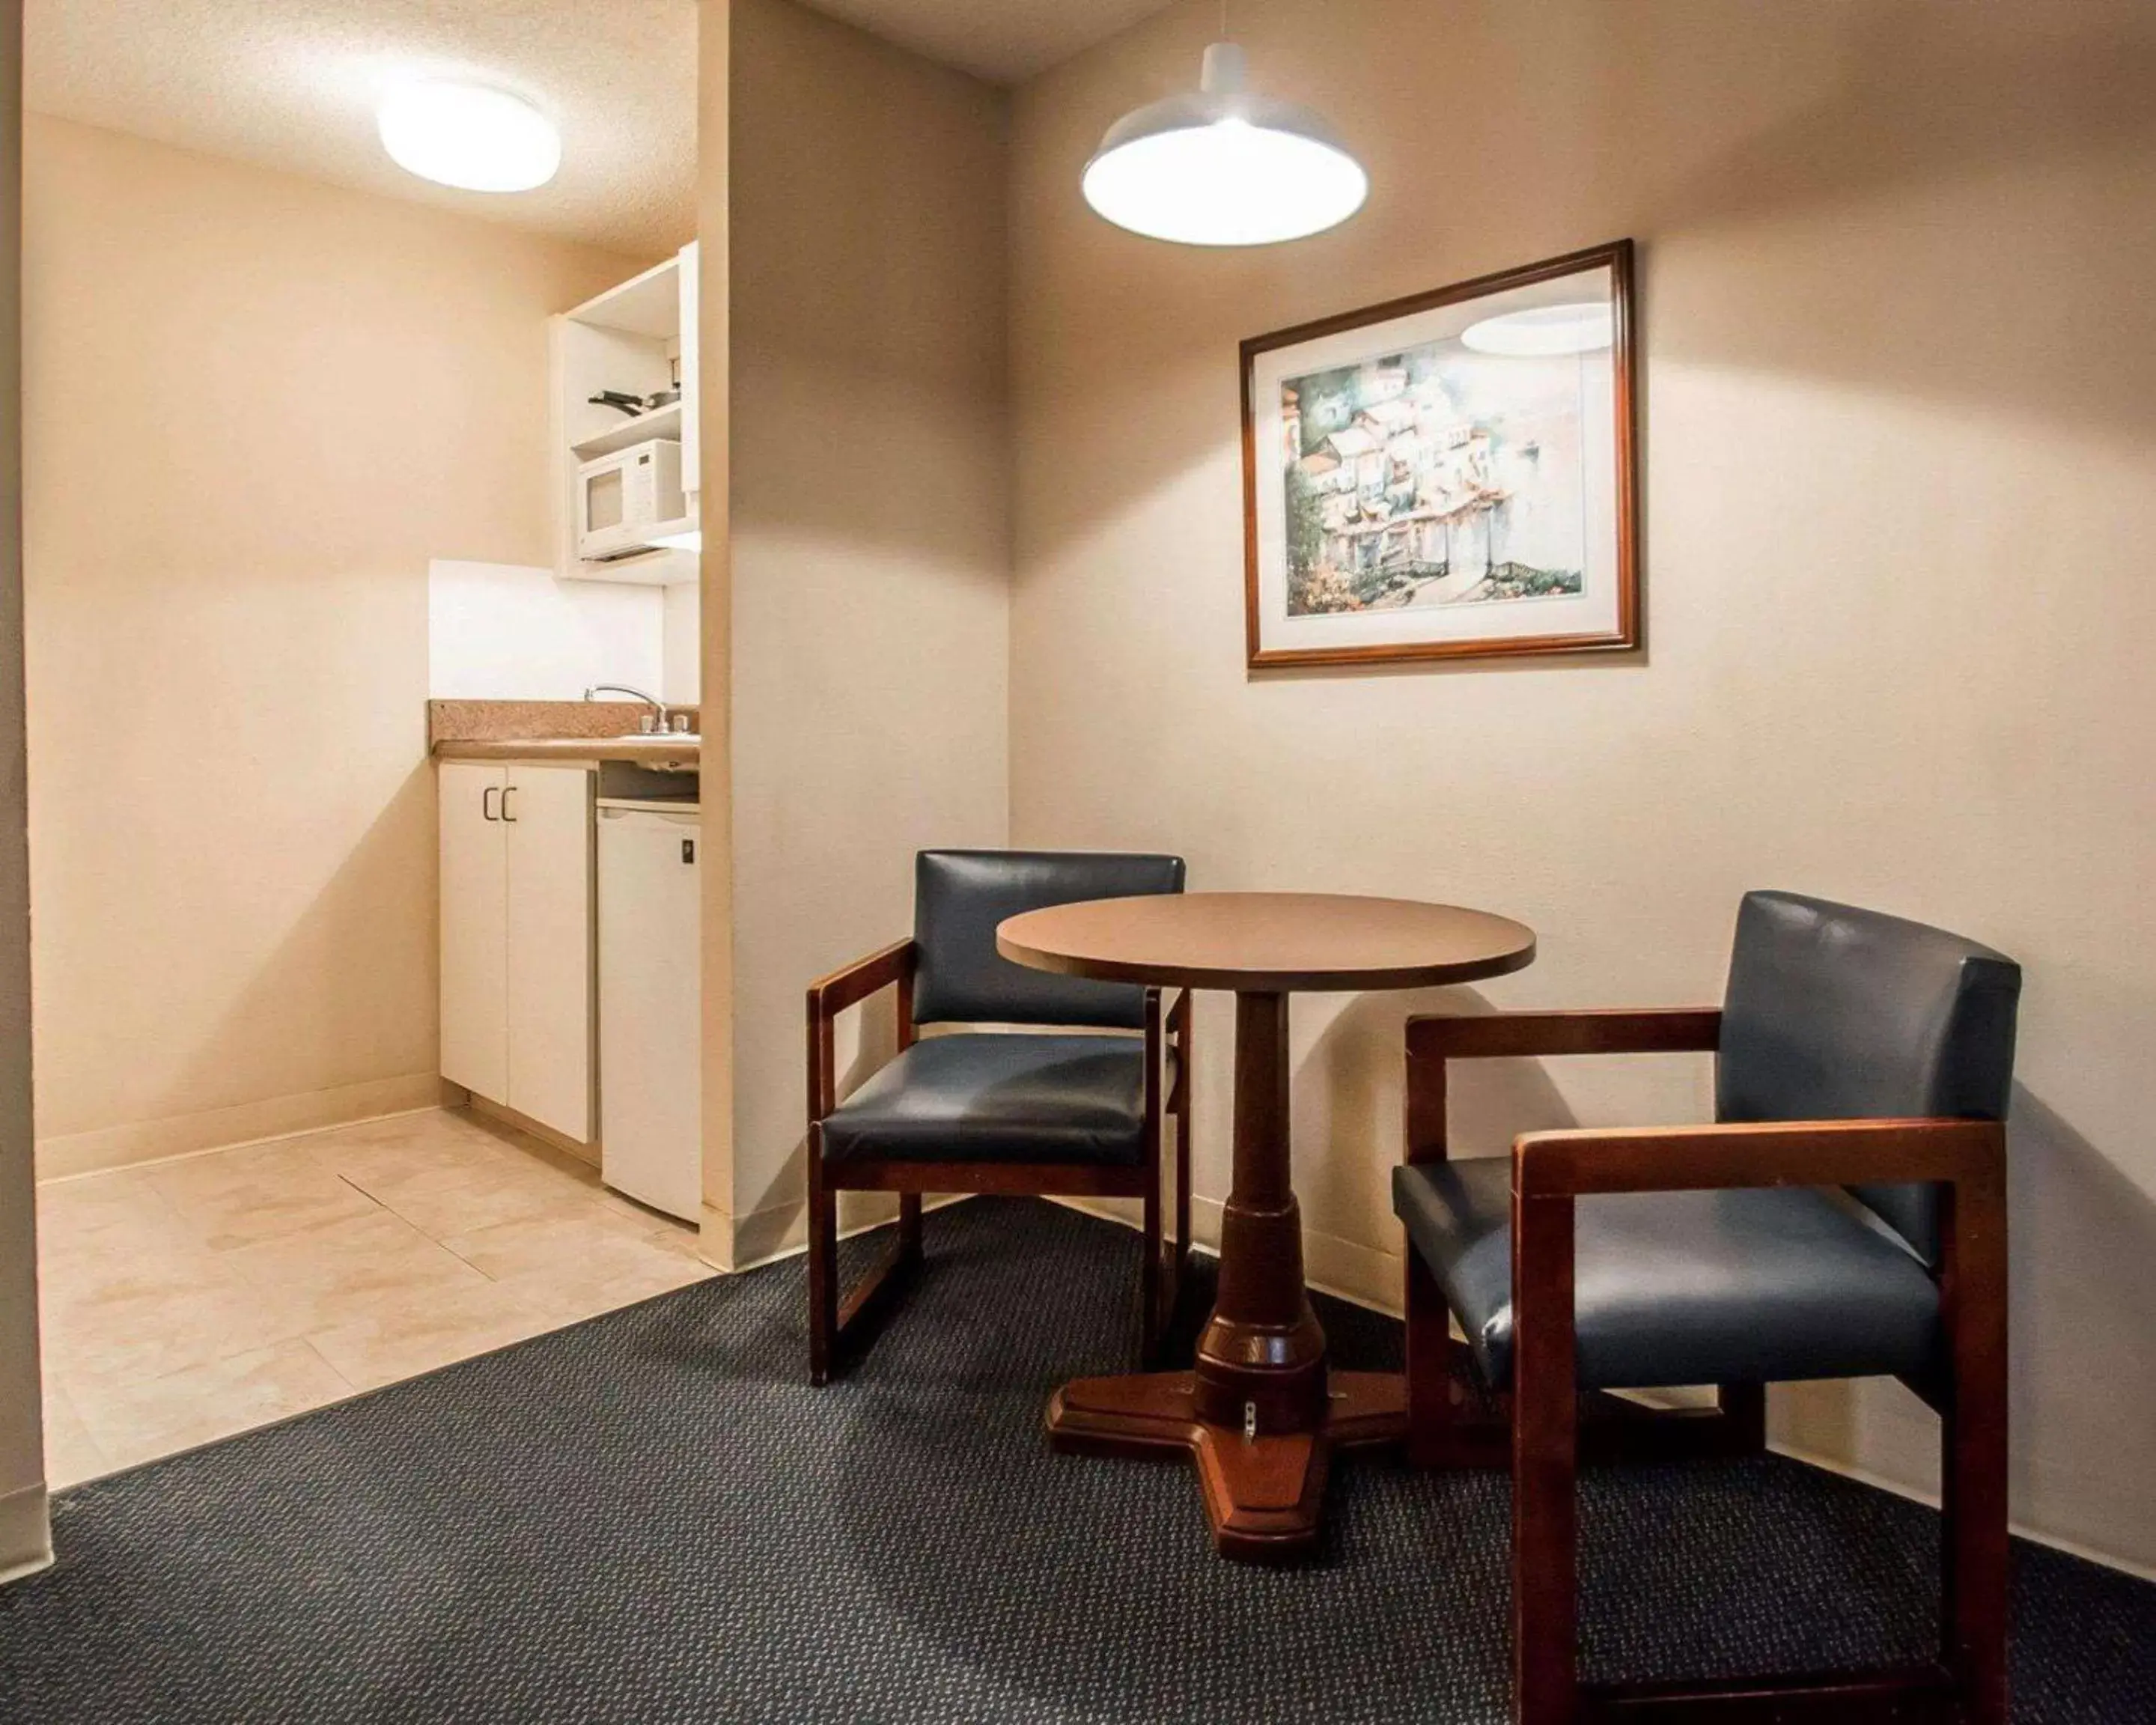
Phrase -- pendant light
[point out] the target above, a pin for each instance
(1225, 166)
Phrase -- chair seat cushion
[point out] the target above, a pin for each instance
(1683, 1287)
(986, 1097)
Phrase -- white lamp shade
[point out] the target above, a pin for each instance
(467, 136)
(1224, 167)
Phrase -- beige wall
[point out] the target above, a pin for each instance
(25, 1536)
(869, 536)
(259, 406)
(1899, 422)
(714, 606)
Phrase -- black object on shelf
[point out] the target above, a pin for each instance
(635, 406)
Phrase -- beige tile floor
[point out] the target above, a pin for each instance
(189, 1300)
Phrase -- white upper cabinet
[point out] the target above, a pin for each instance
(637, 343)
(692, 437)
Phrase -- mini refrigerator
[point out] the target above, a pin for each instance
(651, 1006)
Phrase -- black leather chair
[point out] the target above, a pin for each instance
(1004, 1112)
(1853, 1051)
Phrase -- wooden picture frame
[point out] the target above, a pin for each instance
(1453, 475)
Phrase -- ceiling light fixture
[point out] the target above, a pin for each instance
(1544, 330)
(469, 136)
(1225, 166)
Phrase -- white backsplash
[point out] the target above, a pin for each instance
(509, 632)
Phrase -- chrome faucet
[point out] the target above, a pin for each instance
(658, 720)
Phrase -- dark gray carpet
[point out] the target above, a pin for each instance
(652, 1518)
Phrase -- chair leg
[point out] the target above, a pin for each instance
(1545, 1467)
(1744, 1412)
(1976, 1551)
(1974, 1562)
(909, 1225)
(823, 1271)
(1185, 1083)
(1430, 1411)
(1150, 1325)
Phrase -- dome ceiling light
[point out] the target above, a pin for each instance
(1225, 166)
(469, 136)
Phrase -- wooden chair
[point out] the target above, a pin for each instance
(1002, 1110)
(1853, 1050)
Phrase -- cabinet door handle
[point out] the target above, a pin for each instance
(487, 802)
(505, 796)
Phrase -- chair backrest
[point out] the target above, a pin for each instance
(1834, 1012)
(959, 896)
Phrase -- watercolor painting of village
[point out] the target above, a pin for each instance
(1454, 478)
(1432, 477)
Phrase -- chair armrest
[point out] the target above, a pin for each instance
(1167, 1021)
(1795, 1153)
(1652, 1030)
(1433, 1039)
(1156, 1050)
(830, 995)
(1179, 1013)
(1179, 1039)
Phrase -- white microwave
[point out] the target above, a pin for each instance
(623, 498)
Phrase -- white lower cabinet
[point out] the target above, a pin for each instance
(517, 971)
(475, 929)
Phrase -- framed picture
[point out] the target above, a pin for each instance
(1447, 475)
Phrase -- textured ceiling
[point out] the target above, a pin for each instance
(292, 85)
(1003, 41)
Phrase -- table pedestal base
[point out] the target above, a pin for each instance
(1262, 1494)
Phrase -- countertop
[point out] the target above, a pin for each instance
(558, 730)
(676, 753)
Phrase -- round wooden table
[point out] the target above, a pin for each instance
(1261, 1415)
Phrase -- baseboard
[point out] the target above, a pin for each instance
(2021, 1530)
(117, 1147)
(782, 1230)
(26, 1534)
(503, 1114)
(715, 1237)
(1360, 1274)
